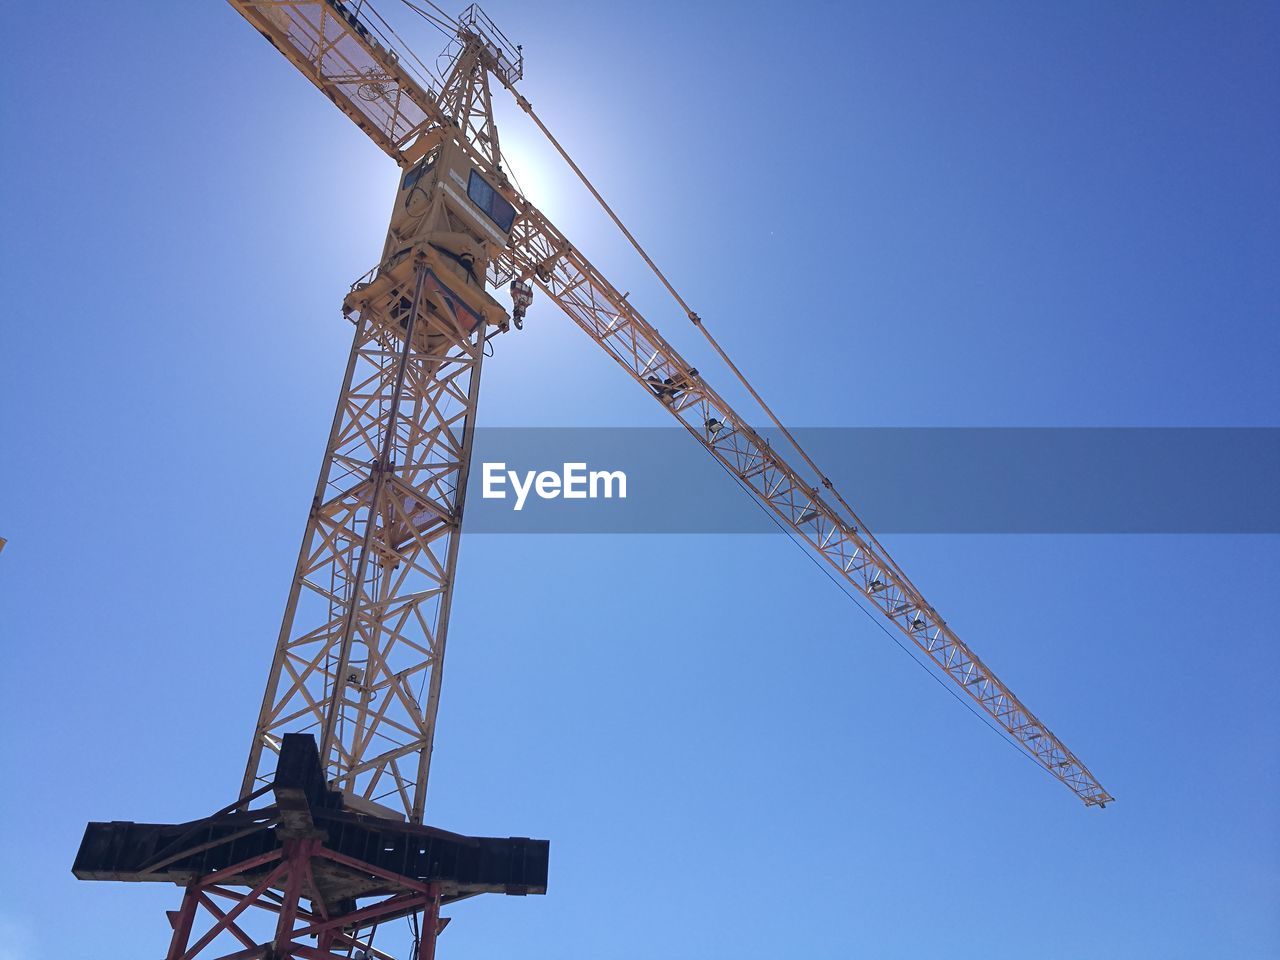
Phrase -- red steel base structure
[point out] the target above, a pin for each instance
(291, 871)
(303, 876)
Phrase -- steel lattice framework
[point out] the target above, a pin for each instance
(358, 659)
(806, 503)
(367, 617)
(830, 531)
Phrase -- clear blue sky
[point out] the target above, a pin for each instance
(893, 214)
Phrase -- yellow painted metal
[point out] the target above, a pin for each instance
(410, 114)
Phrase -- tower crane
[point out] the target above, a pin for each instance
(326, 838)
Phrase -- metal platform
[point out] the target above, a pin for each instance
(349, 856)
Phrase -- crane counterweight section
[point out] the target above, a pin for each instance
(341, 54)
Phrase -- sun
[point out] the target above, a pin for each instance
(535, 169)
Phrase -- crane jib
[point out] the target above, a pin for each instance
(834, 535)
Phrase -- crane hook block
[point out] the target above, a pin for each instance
(521, 298)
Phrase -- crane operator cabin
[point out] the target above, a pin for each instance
(449, 219)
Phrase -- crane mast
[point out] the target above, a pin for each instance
(359, 656)
(327, 834)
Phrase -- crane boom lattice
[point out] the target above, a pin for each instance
(540, 251)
